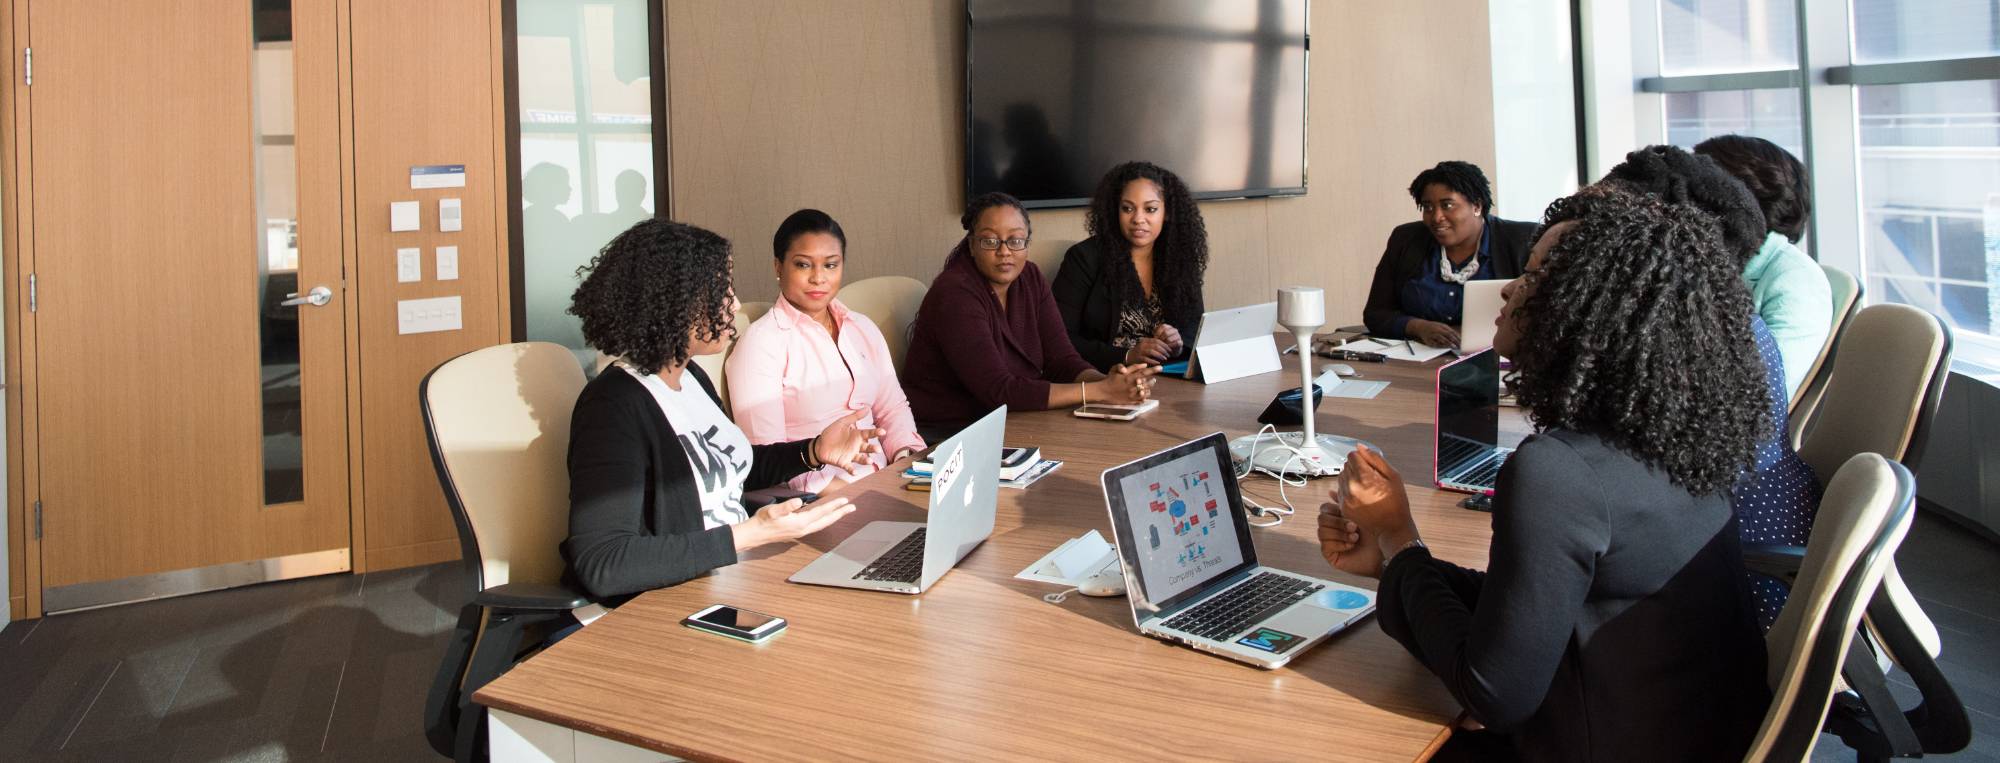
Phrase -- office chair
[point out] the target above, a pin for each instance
(892, 303)
(746, 314)
(1882, 389)
(1887, 379)
(1847, 294)
(1863, 518)
(497, 421)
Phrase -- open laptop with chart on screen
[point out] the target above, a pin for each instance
(1191, 571)
(1468, 455)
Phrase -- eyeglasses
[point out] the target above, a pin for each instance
(991, 244)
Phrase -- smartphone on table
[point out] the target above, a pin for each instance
(740, 624)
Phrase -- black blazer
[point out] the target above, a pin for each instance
(1412, 248)
(1090, 310)
(1612, 622)
(634, 511)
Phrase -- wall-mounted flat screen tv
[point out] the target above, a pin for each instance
(1059, 91)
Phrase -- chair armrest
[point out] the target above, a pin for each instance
(1778, 561)
(1905, 605)
(531, 597)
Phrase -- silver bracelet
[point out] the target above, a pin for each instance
(1414, 543)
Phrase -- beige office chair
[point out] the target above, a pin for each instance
(892, 303)
(497, 421)
(1847, 293)
(1888, 376)
(1864, 516)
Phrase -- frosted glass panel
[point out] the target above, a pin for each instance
(586, 122)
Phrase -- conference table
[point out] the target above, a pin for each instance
(980, 666)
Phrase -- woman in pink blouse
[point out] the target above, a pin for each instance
(810, 361)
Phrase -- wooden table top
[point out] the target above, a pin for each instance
(980, 667)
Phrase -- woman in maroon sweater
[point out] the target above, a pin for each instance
(989, 334)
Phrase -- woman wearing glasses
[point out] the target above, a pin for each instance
(989, 334)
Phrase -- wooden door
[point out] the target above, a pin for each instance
(172, 169)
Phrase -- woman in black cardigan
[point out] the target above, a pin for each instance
(1613, 620)
(656, 468)
(1419, 287)
(1131, 293)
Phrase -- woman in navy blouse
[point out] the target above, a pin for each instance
(1419, 287)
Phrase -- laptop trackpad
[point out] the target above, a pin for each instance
(860, 550)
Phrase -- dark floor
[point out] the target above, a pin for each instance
(337, 668)
(329, 668)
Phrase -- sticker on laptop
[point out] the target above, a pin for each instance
(1337, 599)
(1273, 641)
(948, 471)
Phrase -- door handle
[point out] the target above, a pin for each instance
(319, 295)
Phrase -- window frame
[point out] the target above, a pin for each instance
(1827, 80)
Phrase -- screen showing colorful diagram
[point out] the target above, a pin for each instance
(1180, 519)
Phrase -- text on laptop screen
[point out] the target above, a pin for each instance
(1182, 524)
(1468, 409)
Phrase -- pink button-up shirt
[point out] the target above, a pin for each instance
(788, 379)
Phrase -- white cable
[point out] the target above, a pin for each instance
(1057, 598)
(1283, 476)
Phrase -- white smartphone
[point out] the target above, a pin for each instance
(1115, 412)
(741, 624)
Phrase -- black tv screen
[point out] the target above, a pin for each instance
(1059, 91)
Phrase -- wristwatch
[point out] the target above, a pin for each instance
(1414, 543)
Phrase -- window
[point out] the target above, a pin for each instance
(584, 95)
(1896, 111)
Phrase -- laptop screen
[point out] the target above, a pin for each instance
(1179, 519)
(1468, 410)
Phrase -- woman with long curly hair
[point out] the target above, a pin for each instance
(656, 469)
(1131, 293)
(988, 333)
(1419, 286)
(1612, 621)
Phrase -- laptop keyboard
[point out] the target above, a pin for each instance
(902, 564)
(1240, 607)
(1454, 452)
(1486, 475)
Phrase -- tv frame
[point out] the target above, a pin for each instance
(1305, 149)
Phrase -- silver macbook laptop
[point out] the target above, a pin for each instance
(908, 557)
(1191, 571)
(1468, 456)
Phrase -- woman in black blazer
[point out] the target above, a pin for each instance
(656, 468)
(1131, 293)
(1613, 620)
(1419, 287)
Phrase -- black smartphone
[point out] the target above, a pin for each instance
(740, 624)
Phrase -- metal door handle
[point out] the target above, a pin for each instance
(319, 295)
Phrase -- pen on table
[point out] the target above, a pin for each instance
(1407, 348)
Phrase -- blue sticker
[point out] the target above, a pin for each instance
(1333, 598)
(1273, 641)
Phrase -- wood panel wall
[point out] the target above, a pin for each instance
(856, 107)
(424, 91)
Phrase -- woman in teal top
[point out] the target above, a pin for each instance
(1788, 287)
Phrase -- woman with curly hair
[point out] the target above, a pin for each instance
(1789, 288)
(1131, 293)
(1612, 621)
(810, 361)
(656, 469)
(1419, 287)
(989, 334)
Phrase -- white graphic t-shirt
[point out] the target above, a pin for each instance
(716, 448)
